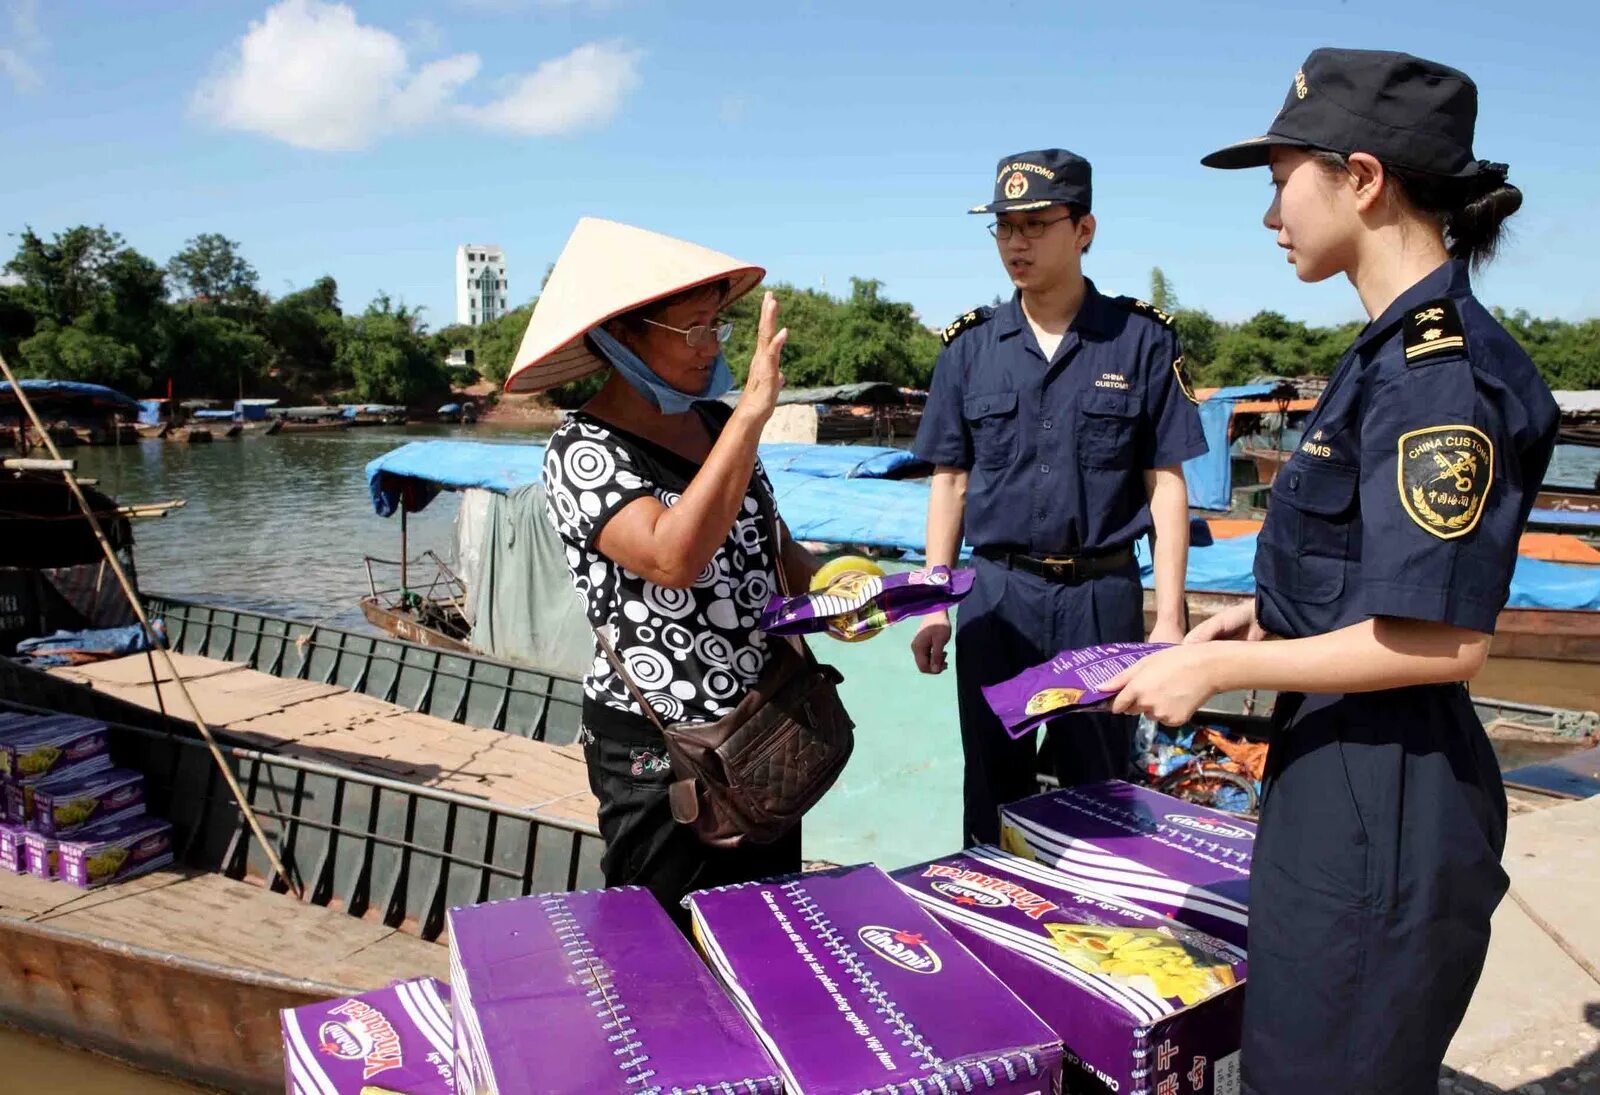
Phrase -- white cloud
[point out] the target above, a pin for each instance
(309, 73)
(584, 88)
(21, 45)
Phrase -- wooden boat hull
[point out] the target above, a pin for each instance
(204, 1022)
(402, 626)
(312, 427)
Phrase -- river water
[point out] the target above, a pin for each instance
(281, 524)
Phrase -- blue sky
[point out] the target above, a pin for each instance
(822, 140)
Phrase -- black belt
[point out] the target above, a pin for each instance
(1061, 568)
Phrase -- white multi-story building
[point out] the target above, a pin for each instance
(481, 284)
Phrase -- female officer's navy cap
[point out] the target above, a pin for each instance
(1407, 112)
(1033, 180)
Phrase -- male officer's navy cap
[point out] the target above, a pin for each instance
(1033, 180)
(1407, 112)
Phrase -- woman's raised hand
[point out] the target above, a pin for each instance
(765, 381)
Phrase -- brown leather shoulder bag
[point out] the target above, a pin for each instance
(753, 773)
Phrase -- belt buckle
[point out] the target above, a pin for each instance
(1061, 567)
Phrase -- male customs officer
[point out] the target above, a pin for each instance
(1056, 423)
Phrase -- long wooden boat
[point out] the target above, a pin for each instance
(183, 971)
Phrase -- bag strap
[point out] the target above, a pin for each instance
(627, 679)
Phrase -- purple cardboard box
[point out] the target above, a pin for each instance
(1145, 1005)
(115, 850)
(392, 1040)
(19, 792)
(1070, 681)
(42, 854)
(1185, 861)
(13, 855)
(39, 746)
(67, 804)
(592, 992)
(854, 988)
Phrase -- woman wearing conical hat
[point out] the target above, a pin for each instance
(656, 491)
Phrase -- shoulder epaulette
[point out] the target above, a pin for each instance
(966, 322)
(1433, 331)
(1144, 308)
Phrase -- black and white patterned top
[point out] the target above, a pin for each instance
(693, 652)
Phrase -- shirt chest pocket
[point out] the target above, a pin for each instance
(992, 421)
(1108, 430)
(1312, 514)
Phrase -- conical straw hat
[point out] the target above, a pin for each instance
(606, 269)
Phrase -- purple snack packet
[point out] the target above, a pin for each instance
(591, 992)
(854, 988)
(857, 604)
(395, 1039)
(1143, 1003)
(1068, 682)
(1189, 862)
(19, 804)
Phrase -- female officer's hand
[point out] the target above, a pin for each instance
(765, 381)
(1238, 622)
(1169, 685)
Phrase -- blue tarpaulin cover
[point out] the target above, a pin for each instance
(882, 512)
(1210, 475)
(1573, 518)
(214, 416)
(1227, 567)
(423, 468)
(70, 395)
(838, 461)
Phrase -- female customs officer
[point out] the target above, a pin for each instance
(1385, 558)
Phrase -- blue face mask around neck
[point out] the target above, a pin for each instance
(667, 399)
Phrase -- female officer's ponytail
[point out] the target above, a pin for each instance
(1471, 210)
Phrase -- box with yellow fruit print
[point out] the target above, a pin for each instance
(1143, 1003)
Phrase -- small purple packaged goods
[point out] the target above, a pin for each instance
(63, 805)
(395, 1041)
(1143, 1003)
(855, 604)
(1188, 862)
(42, 854)
(114, 850)
(854, 988)
(13, 853)
(1070, 681)
(594, 992)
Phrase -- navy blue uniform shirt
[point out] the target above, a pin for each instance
(1056, 449)
(1415, 474)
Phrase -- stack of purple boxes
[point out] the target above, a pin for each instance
(1081, 963)
(68, 813)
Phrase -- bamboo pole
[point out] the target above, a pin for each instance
(144, 621)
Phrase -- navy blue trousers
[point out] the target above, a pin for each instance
(1374, 876)
(1009, 622)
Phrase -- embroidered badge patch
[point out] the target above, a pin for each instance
(1444, 475)
(648, 762)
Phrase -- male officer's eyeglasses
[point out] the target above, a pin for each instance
(700, 336)
(1031, 230)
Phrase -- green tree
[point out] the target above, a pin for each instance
(303, 330)
(75, 352)
(495, 343)
(386, 353)
(1162, 294)
(65, 276)
(210, 269)
(211, 355)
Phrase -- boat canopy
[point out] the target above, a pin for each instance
(1210, 475)
(213, 415)
(152, 411)
(69, 396)
(411, 476)
(871, 391)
